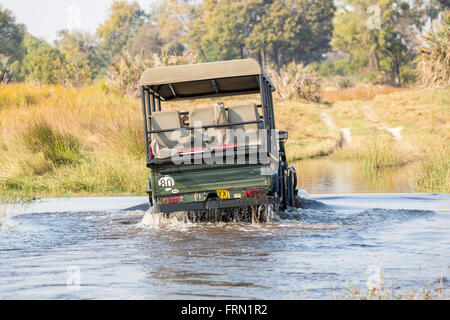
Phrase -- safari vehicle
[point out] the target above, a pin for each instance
(217, 157)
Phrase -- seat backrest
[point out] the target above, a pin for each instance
(210, 116)
(204, 115)
(243, 113)
(166, 120)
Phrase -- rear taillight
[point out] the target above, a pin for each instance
(150, 152)
(173, 200)
(255, 193)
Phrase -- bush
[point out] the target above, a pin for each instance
(124, 74)
(294, 81)
(433, 67)
(345, 83)
(61, 149)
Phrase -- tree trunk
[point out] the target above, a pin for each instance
(396, 72)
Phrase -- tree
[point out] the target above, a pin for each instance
(11, 36)
(80, 47)
(148, 40)
(123, 21)
(48, 65)
(172, 18)
(277, 32)
(377, 34)
(11, 45)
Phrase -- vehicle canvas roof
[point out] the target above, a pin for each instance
(202, 80)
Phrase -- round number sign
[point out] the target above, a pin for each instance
(166, 182)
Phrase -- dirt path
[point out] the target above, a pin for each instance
(346, 135)
(371, 117)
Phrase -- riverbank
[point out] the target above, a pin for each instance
(58, 142)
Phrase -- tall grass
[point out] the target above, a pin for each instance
(435, 174)
(64, 141)
(381, 154)
(59, 148)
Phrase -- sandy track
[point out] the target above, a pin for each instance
(371, 117)
(346, 134)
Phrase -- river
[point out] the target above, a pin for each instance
(106, 248)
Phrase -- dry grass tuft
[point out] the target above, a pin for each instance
(434, 61)
(125, 73)
(295, 82)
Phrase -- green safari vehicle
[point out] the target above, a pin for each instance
(219, 157)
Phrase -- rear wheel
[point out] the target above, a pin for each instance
(290, 188)
(287, 184)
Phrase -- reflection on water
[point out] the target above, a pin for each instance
(344, 176)
(311, 253)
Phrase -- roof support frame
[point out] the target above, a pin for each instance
(216, 87)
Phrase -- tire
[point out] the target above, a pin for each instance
(295, 176)
(150, 200)
(290, 189)
(282, 187)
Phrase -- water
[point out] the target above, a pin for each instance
(347, 176)
(116, 252)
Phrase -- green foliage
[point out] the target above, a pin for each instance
(11, 47)
(123, 21)
(336, 68)
(46, 64)
(276, 32)
(385, 45)
(11, 36)
(61, 149)
(80, 47)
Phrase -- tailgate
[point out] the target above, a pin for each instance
(180, 180)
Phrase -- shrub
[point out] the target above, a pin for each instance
(124, 74)
(60, 148)
(433, 67)
(294, 81)
(345, 83)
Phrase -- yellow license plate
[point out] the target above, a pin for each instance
(223, 194)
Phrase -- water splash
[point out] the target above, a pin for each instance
(260, 214)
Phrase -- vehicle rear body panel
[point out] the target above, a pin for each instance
(194, 181)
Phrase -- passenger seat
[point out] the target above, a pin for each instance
(163, 144)
(210, 116)
(244, 113)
